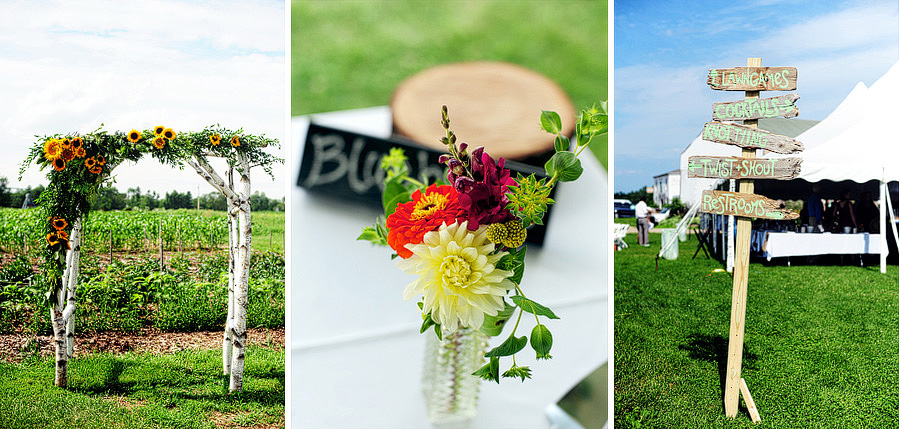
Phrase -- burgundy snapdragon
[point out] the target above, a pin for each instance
(482, 196)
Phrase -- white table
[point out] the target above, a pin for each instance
(780, 244)
(354, 350)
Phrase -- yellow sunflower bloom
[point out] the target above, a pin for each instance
(90, 162)
(59, 223)
(59, 164)
(215, 139)
(134, 136)
(52, 239)
(169, 134)
(158, 130)
(66, 144)
(159, 142)
(67, 154)
(79, 152)
(96, 169)
(52, 149)
(457, 276)
(101, 160)
(235, 141)
(77, 142)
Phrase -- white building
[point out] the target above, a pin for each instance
(666, 186)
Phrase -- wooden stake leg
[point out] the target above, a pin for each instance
(748, 401)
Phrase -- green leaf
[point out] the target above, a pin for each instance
(522, 372)
(427, 322)
(533, 307)
(439, 332)
(493, 325)
(566, 164)
(550, 122)
(511, 346)
(490, 370)
(515, 262)
(561, 144)
(541, 341)
(394, 193)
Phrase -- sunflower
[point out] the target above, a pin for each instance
(101, 160)
(67, 153)
(169, 134)
(159, 142)
(59, 223)
(52, 238)
(158, 130)
(59, 164)
(96, 169)
(79, 152)
(52, 148)
(58, 237)
(66, 144)
(215, 139)
(90, 163)
(134, 136)
(235, 141)
(77, 142)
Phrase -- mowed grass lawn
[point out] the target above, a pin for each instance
(181, 390)
(820, 344)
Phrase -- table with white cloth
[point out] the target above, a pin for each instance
(776, 244)
(355, 354)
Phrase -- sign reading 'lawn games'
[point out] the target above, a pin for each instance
(726, 167)
(745, 204)
(753, 79)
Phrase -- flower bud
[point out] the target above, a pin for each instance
(443, 159)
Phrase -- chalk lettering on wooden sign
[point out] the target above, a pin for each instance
(727, 167)
(753, 79)
(757, 108)
(749, 137)
(347, 165)
(743, 205)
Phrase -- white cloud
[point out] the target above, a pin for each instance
(72, 66)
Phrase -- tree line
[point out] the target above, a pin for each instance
(109, 198)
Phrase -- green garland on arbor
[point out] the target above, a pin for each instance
(78, 164)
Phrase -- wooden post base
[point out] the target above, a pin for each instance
(748, 401)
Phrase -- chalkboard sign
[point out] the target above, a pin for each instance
(347, 165)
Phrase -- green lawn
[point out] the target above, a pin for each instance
(347, 55)
(181, 390)
(820, 345)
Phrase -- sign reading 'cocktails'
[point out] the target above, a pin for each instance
(753, 79)
(749, 137)
(743, 205)
(757, 108)
(727, 167)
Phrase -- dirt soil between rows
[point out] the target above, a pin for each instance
(15, 347)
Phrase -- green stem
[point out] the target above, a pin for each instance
(418, 184)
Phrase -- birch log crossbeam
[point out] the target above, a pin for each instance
(756, 108)
(749, 138)
(728, 167)
(743, 205)
(753, 79)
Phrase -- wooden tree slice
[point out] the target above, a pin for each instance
(492, 104)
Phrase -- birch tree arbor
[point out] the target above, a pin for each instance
(79, 164)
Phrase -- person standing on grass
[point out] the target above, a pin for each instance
(816, 207)
(642, 213)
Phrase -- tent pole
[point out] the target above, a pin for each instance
(882, 210)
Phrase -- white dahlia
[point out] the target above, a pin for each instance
(457, 276)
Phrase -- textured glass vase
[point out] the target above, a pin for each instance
(451, 391)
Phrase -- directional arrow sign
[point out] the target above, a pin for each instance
(748, 137)
(756, 108)
(726, 167)
(753, 79)
(744, 205)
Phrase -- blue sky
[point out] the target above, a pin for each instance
(72, 66)
(664, 49)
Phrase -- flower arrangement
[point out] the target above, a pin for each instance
(464, 238)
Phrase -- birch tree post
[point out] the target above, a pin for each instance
(80, 163)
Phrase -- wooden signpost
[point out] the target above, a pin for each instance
(745, 204)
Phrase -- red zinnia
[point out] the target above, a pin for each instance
(426, 212)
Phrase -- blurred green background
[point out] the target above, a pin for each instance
(352, 54)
